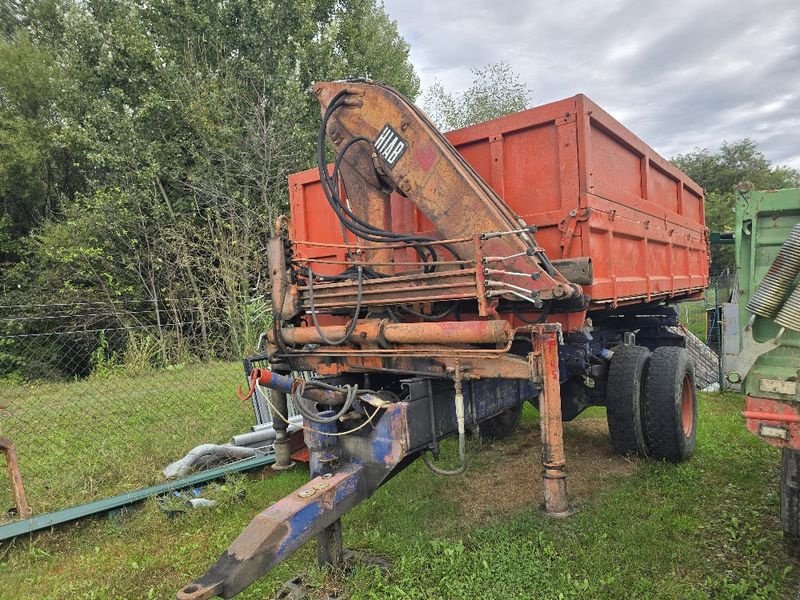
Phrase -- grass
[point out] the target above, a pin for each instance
(84, 440)
(707, 528)
(694, 316)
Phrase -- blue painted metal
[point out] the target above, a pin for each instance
(39, 522)
(281, 383)
(278, 531)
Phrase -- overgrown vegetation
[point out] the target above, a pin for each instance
(705, 529)
(144, 149)
(720, 172)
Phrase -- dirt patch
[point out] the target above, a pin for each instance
(505, 477)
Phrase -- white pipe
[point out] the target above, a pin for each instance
(266, 433)
(186, 465)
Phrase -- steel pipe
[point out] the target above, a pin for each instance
(552, 430)
(380, 332)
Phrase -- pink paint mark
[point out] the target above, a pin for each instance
(425, 156)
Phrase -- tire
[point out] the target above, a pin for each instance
(670, 406)
(624, 399)
(790, 497)
(502, 425)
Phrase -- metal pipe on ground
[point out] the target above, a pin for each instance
(186, 465)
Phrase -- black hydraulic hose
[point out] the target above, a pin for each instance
(542, 318)
(297, 396)
(353, 322)
(365, 224)
(433, 317)
(361, 228)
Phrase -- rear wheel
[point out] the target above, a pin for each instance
(626, 376)
(670, 405)
(502, 425)
(790, 496)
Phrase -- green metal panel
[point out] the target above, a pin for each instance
(763, 222)
(28, 526)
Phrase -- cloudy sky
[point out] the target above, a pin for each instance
(681, 73)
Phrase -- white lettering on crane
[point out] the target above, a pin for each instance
(390, 145)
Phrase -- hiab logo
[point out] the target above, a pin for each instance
(390, 145)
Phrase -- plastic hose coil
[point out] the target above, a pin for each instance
(769, 296)
(789, 316)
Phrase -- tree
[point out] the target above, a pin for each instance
(719, 172)
(496, 90)
(144, 146)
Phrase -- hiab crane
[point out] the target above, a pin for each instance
(431, 284)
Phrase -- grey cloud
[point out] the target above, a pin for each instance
(680, 74)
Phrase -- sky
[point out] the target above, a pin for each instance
(681, 74)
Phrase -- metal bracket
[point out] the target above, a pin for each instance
(568, 225)
(751, 350)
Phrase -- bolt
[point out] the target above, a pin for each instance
(327, 475)
(306, 493)
(536, 276)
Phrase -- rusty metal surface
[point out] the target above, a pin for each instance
(15, 479)
(780, 418)
(638, 218)
(434, 362)
(275, 533)
(421, 287)
(284, 295)
(381, 332)
(553, 459)
(433, 175)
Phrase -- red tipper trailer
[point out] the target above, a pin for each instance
(429, 285)
(592, 187)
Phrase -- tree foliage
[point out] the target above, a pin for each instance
(719, 173)
(144, 147)
(495, 90)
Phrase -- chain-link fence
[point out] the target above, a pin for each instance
(706, 320)
(98, 399)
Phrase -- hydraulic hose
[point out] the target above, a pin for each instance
(297, 396)
(462, 435)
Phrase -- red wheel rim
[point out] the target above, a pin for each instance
(687, 407)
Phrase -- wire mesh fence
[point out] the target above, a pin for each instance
(704, 319)
(98, 399)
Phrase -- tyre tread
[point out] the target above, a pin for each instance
(663, 426)
(626, 378)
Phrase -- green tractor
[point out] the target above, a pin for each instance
(768, 364)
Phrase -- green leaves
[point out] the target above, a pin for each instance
(496, 90)
(718, 173)
(145, 147)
